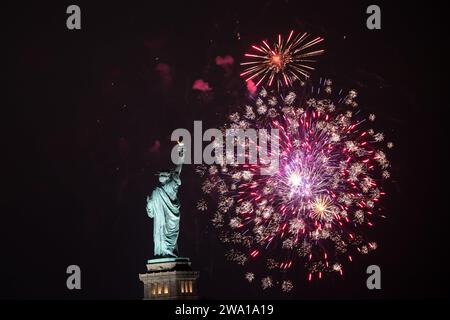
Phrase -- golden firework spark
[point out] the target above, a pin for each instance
(322, 208)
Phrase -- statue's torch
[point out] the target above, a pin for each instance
(180, 156)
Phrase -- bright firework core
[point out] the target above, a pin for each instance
(300, 184)
(303, 175)
(278, 62)
(295, 179)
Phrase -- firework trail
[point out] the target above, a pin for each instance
(283, 62)
(316, 208)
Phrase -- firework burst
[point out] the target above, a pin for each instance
(316, 208)
(282, 63)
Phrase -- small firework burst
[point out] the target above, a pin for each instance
(287, 286)
(250, 276)
(316, 207)
(266, 283)
(283, 62)
(236, 256)
(202, 205)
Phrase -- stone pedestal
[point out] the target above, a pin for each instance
(170, 279)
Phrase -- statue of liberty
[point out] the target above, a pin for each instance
(164, 207)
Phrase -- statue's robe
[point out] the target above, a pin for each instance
(164, 207)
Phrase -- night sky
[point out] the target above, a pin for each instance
(92, 112)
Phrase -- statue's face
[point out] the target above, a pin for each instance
(164, 177)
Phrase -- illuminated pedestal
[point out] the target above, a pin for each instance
(170, 279)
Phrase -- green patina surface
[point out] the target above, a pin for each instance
(164, 207)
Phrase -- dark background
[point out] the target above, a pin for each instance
(85, 108)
